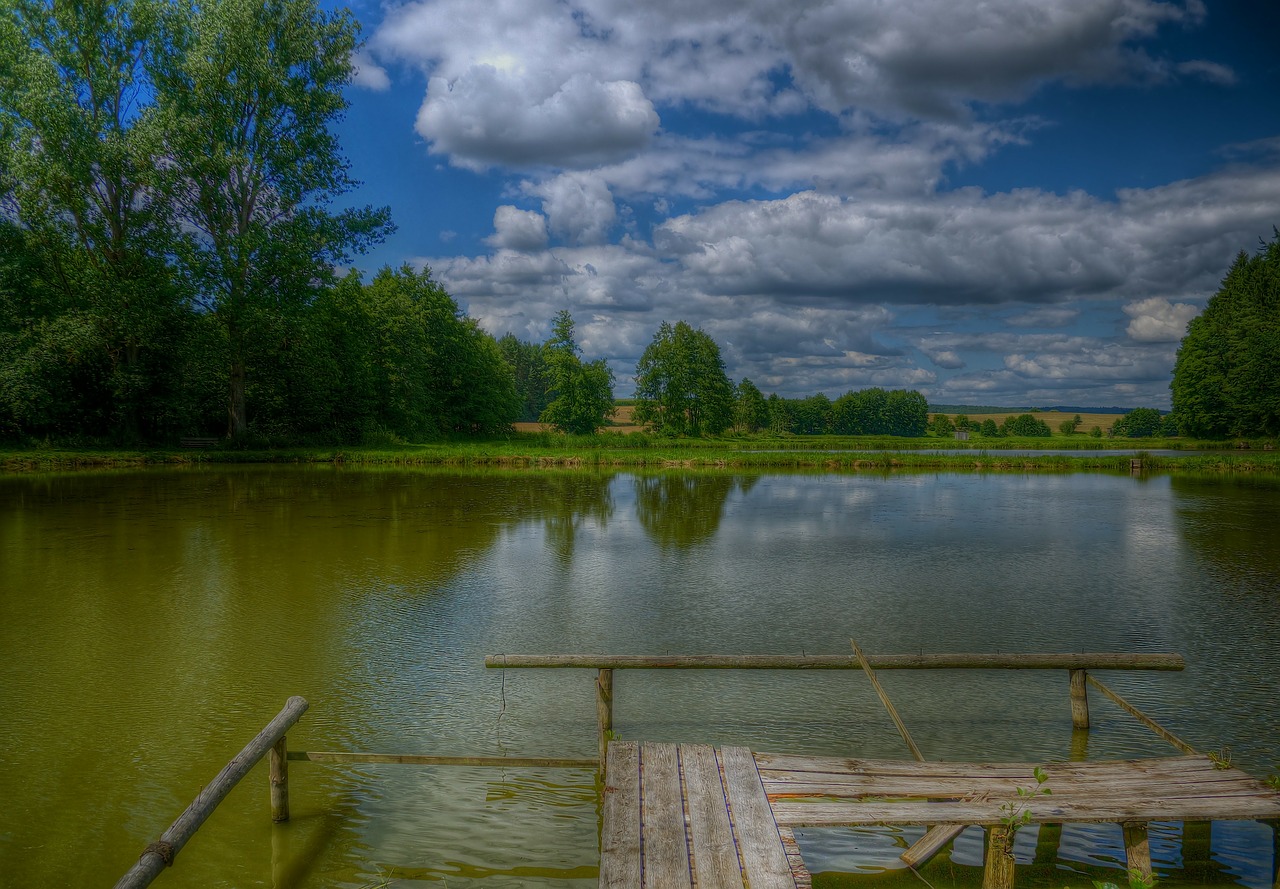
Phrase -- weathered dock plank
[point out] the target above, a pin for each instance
(665, 860)
(812, 791)
(620, 832)
(710, 831)
(683, 815)
(764, 859)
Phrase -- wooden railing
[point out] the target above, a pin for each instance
(160, 854)
(1077, 666)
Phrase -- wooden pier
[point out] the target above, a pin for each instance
(679, 815)
(689, 815)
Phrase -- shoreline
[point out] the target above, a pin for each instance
(602, 454)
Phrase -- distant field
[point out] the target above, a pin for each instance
(1053, 419)
(619, 422)
(622, 422)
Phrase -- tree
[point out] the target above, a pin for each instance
(79, 144)
(247, 91)
(942, 426)
(1226, 380)
(812, 415)
(1142, 422)
(751, 413)
(581, 394)
(989, 429)
(1025, 425)
(962, 421)
(681, 385)
(1069, 427)
(529, 367)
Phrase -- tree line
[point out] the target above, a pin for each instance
(167, 170)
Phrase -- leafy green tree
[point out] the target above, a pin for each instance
(874, 411)
(989, 429)
(1142, 422)
(779, 414)
(529, 367)
(79, 144)
(247, 92)
(962, 421)
(681, 384)
(1226, 380)
(942, 426)
(1095, 432)
(751, 413)
(1069, 427)
(860, 413)
(812, 415)
(581, 394)
(1025, 425)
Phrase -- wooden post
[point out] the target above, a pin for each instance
(884, 699)
(1275, 853)
(604, 711)
(280, 780)
(997, 869)
(1137, 849)
(1048, 841)
(160, 854)
(1079, 699)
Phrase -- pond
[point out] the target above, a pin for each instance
(152, 621)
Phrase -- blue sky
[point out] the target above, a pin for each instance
(1013, 203)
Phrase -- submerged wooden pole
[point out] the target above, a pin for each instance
(604, 711)
(160, 854)
(1144, 718)
(884, 699)
(279, 777)
(1079, 699)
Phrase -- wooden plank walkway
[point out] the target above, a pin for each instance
(825, 791)
(688, 815)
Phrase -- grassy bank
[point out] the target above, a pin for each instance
(822, 453)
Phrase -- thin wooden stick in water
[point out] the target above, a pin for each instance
(884, 699)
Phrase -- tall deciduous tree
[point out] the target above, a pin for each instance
(752, 411)
(581, 393)
(529, 366)
(681, 384)
(248, 91)
(1226, 381)
(79, 142)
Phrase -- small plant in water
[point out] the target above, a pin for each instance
(1017, 812)
(1221, 759)
(1137, 880)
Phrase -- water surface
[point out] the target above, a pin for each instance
(151, 622)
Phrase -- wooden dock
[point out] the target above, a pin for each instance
(684, 815)
(689, 815)
(678, 816)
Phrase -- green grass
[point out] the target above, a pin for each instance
(639, 450)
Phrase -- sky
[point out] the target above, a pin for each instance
(1006, 202)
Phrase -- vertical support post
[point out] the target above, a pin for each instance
(279, 760)
(604, 711)
(1079, 700)
(997, 870)
(1048, 841)
(1275, 853)
(1137, 849)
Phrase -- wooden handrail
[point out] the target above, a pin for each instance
(159, 855)
(1078, 666)
(1081, 661)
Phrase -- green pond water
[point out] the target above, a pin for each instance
(152, 621)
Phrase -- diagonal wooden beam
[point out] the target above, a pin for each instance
(884, 699)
